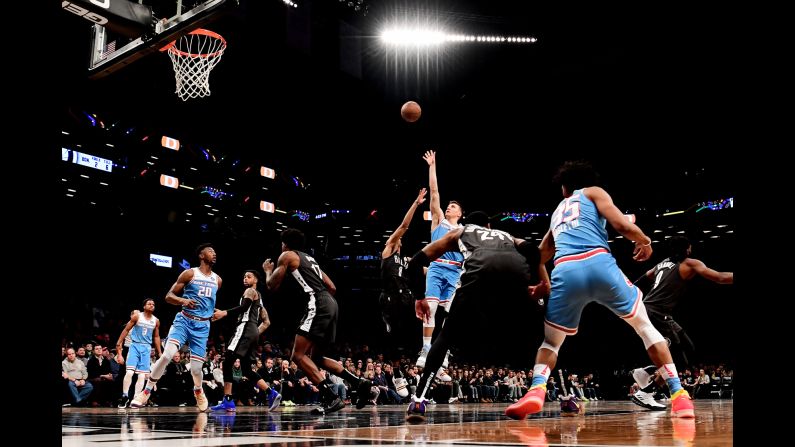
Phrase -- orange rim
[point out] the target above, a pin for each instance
(171, 47)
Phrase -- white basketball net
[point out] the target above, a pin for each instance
(194, 55)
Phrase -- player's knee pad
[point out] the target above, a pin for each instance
(650, 335)
(553, 338)
(551, 347)
(642, 325)
(433, 304)
(170, 350)
(196, 369)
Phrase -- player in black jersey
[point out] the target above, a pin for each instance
(670, 278)
(252, 321)
(318, 327)
(497, 271)
(396, 294)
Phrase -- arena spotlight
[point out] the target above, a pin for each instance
(419, 37)
(413, 37)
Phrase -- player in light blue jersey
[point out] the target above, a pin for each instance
(444, 273)
(585, 271)
(143, 329)
(198, 287)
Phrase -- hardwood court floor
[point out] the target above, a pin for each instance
(603, 424)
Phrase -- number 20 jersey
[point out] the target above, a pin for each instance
(203, 289)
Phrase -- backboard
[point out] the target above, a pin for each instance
(172, 19)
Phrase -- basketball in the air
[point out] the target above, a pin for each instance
(410, 111)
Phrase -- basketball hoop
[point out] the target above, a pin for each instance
(194, 55)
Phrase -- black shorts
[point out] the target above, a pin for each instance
(319, 322)
(392, 302)
(244, 342)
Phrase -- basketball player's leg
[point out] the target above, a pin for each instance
(433, 292)
(318, 358)
(682, 347)
(143, 368)
(660, 355)
(131, 362)
(228, 402)
(390, 315)
(253, 376)
(385, 304)
(197, 342)
(457, 326)
(126, 382)
(626, 301)
(568, 297)
(133, 358)
(317, 331)
(546, 359)
(139, 384)
(649, 381)
(617, 293)
(228, 366)
(445, 304)
(454, 329)
(177, 336)
(336, 367)
(302, 346)
(645, 377)
(360, 384)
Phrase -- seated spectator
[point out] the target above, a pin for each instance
(75, 373)
(369, 374)
(469, 393)
(702, 385)
(386, 395)
(288, 384)
(81, 355)
(689, 383)
(100, 377)
(512, 383)
(306, 393)
(339, 387)
(552, 389)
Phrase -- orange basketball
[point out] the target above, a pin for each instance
(410, 111)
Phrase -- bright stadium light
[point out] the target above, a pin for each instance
(418, 37)
(413, 37)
